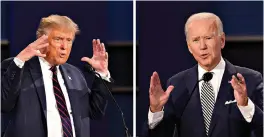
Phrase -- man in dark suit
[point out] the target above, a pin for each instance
(228, 105)
(42, 95)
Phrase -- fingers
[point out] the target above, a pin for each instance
(40, 43)
(38, 53)
(235, 84)
(86, 59)
(155, 85)
(98, 47)
(106, 55)
(156, 78)
(94, 45)
(167, 93)
(41, 40)
(103, 48)
(42, 46)
(98, 44)
(169, 90)
(241, 78)
(151, 85)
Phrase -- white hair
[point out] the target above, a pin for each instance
(203, 16)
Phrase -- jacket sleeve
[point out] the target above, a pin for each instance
(170, 122)
(257, 99)
(11, 76)
(98, 98)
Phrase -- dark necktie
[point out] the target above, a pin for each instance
(61, 105)
(207, 101)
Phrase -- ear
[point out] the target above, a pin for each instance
(222, 40)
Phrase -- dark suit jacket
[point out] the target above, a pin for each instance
(186, 118)
(24, 103)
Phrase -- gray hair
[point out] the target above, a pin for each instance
(204, 15)
(53, 21)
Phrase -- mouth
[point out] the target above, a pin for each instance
(63, 55)
(204, 56)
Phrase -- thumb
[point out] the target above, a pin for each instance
(169, 90)
(86, 59)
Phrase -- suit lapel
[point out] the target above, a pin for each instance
(194, 104)
(36, 74)
(225, 94)
(73, 96)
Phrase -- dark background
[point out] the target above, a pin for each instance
(112, 22)
(162, 46)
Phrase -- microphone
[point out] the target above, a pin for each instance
(206, 77)
(89, 68)
(175, 131)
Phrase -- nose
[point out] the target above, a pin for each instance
(203, 45)
(63, 45)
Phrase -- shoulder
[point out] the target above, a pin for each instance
(7, 61)
(74, 72)
(181, 75)
(250, 75)
(247, 71)
(72, 69)
(70, 66)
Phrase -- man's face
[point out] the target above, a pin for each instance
(60, 44)
(204, 43)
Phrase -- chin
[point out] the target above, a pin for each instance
(206, 63)
(60, 62)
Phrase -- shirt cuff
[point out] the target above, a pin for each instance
(154, 118)
(105, 77)
(19, 62)
(248, 111)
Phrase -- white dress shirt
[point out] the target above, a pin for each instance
(218, 72)
(53, 117)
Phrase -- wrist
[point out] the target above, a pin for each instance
(20, 58)
(155, 109)
(104, 72)
(244, 103)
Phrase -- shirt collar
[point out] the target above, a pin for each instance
(220, 66)
(45, 64)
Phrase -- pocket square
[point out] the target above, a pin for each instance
(230, 101)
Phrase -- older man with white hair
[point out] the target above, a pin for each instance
(214, 98)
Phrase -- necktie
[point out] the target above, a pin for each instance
(207, 101)
(61, 105)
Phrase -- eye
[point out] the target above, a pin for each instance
(69, 40)
(195, 40)
(208, 38)
(57, 39)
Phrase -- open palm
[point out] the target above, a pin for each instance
(99, 61)
(157, 96)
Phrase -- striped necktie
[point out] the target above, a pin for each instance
(61, 105)
(207, 102)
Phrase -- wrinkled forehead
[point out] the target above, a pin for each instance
(62, 32)
(202, 27)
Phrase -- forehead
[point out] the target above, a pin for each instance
(61, 32)
(202, 27)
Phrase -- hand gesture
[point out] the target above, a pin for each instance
(33, 49)
(240, 90)
(99, 61)
(157, 96)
